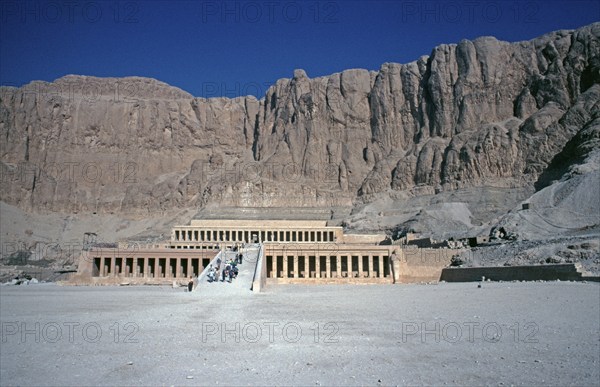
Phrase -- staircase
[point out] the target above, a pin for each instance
(238, 286)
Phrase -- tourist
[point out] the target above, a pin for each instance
(224, 272)
(191, 284)
(241, 257)
(209, 274)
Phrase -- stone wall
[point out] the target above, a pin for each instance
(563, 272)
(421, 265)
(363, 238)
(259, 282)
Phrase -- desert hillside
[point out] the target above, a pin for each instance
(450, 145)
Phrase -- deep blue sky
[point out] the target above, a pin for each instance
(212, 48)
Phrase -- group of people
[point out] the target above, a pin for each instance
(229, 272)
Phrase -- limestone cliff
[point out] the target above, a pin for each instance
(466, 115)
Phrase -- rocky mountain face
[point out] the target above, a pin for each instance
(482, 112)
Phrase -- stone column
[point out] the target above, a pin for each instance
(370, 265)
(275, 266)
(338, 265)
(134, 267)
(317, 266)
(156, 268)
(178, 268)
(285, 266)
(146, 267)
(381, 272)
(190, 268)
(328, 266)
(350, 272)
(296, 270)
(113, 266)
(360, 266)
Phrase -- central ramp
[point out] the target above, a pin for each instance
(238, 286)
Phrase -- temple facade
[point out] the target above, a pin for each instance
(230, 232)
(292, 251)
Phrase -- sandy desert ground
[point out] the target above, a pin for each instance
(511, 333)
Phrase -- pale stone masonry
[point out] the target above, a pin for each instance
(248, 231)
(294, 251)
(132, 265)
(323, 262)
